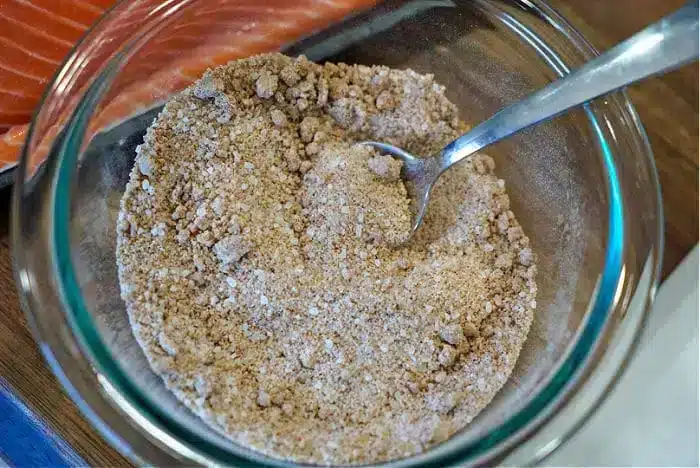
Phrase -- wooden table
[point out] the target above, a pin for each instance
(668, 107)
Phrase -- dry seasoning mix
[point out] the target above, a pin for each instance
(263, 262)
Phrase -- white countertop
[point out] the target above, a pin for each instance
(651, 417)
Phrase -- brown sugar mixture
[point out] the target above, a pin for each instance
(263, 261)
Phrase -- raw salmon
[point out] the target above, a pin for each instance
(35, 35)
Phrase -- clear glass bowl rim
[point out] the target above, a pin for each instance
(546, 402)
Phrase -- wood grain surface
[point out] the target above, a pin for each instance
(23, 367)
(668, 107)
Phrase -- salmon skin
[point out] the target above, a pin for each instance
(35, 36)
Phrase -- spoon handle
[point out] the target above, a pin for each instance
(666, 44)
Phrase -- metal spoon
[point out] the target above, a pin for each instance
(665, 45)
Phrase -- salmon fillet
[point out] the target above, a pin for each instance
(35, 36)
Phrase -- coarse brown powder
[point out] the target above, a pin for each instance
(263, 262)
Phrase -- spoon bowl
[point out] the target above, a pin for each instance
(418, 175)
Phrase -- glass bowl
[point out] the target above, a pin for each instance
(584, 187)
